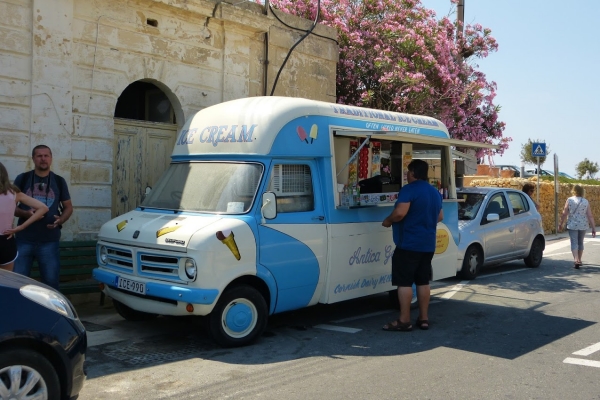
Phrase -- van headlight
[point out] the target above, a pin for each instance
(103, 255)
(190, 268)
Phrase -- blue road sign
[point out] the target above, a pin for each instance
(538, 149)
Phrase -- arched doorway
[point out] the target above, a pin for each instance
(145, 133)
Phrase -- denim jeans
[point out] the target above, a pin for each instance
(47, 255)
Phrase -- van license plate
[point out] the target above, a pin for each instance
(131, 286)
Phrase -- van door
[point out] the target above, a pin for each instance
(293, 245)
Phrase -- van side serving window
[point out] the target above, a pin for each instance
(293, 187)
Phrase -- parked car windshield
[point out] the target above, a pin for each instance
(216, 187)
(564, 174)
(467, 209)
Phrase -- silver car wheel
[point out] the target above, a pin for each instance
(27, 374)
(22, 382)
(534, 259)
(472, 262)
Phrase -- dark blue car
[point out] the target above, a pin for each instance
(42, 341)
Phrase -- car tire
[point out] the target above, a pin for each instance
(536, 253)
(239, 318)
(27, 365)
(130, 314)
(472, 262)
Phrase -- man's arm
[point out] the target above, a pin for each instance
(66, 214)
(441, 216)
(67, 211)
(19, 213)
(397, 214)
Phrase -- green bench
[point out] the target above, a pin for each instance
(77, 260)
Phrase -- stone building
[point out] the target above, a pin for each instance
(107, 83)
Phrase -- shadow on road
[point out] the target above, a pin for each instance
(503, 321)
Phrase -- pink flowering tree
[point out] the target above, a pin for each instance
(396, 55)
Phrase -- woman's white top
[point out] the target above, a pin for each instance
(577, 219)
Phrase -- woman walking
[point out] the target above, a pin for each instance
(530, 189)
(579, 218)
(10, 195)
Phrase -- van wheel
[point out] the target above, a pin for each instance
(239, 317)
(472, 262)
(27, 374)
(534, 259)
(130, 314)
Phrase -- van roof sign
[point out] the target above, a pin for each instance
(251, 125)
(410, 137)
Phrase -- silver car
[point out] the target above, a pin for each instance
(497, 225)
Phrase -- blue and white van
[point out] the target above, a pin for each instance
(252, 219)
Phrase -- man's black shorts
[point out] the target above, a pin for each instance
(410, 267)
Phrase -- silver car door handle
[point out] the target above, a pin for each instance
(319, 218)
(511, 229)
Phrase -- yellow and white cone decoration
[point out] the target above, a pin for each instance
(227, 238)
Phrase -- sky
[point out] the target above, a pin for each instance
(547, 69)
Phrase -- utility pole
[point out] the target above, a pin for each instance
(460, 24)
(460, 14)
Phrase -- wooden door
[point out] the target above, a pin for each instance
(142, 153)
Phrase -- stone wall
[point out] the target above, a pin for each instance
(64, 64)
(546, 192)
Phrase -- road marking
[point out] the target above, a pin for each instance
(555, 246)
(337, 328)
(579, 361)
(502, 273)
(454, 290)
(558, 254)
(339, 321)
(588, 350)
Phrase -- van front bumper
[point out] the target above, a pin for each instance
(162, 290)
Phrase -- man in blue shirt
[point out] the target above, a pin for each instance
(40, 240)
(414, 225)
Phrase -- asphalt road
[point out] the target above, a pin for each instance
(512, 333)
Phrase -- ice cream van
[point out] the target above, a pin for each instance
(271, 204)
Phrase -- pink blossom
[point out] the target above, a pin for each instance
(395, 55)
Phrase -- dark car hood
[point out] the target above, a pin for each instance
(13, 280)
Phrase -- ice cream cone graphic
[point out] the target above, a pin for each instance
(227, 238)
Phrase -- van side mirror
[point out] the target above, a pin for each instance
(268, 209)
(146, 193)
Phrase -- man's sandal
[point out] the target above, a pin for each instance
(397, 326)
(422, 323)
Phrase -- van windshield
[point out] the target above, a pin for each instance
(214, 187)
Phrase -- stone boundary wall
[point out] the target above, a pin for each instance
(546, 203)
(65, 63)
